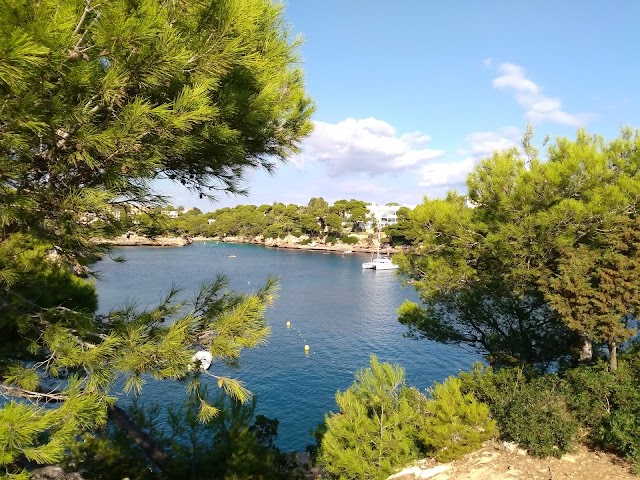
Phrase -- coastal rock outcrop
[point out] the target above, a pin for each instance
(134, 240)
(364, 245)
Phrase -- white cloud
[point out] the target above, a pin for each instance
(513, 77)
(538, 107)
(478, 145)
(446, 173)
(483, 144)
(365, 145)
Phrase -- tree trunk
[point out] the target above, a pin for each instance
(156, 454)
(586, 350)
(613, 356)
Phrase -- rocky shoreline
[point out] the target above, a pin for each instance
(133, 240)
(289, 242)
(299, 243)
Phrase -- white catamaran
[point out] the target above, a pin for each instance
(379, 263)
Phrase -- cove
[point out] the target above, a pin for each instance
(344, 314)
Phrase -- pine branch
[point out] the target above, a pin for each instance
(153, 451)
(39, 396)
(118, 416)
(87, 9)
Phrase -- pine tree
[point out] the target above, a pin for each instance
(373, 434)
(99, 100)
(545, 260)
(454, 423)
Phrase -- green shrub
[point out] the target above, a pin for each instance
(530, 410)
(589, 392)
(455, 423)
(330, 240)
(305, 241)
(235, 444)
(373, 433)
(382, 424)
(349, 240)
(538, 419)
(608, 405)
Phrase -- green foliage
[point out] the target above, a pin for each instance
(152, 225)
(607, 404)
(98, 101)
(318, 207)
(454, 423)
(349, 240)
(548, 254)
(333, 222)
(382, 424)
(269, 221)
(353, 213)
(107, 454)
(235, 444)
(542, 413)
(373, 433)
(193, 92)
(529, 410)
(139, 343)
(40, 434)
(40, 282)
(400, 232)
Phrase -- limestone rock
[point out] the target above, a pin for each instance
(53, 472)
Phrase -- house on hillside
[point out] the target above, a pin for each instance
(385, 214)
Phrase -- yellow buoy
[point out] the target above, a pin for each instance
(288, 324)
(306, 348)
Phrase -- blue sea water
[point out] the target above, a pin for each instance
(342, 312)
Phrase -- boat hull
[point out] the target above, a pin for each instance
(380, 264)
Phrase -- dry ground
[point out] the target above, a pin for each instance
(497, 461)
(500, 461)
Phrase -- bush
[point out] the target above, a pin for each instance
(383, 425)
(330, 240)
(530, 410)
(608, 405)
(349, 240)
(455, 423)
(234, 444)
(373, 433)
(305, 241)
(537, 418)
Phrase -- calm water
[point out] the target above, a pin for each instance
(342, 312)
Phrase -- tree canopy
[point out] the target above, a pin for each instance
(544, 260)
(97, 101)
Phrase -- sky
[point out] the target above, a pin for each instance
(410, 95)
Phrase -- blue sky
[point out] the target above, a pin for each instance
(411, 94)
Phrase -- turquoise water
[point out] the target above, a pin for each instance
(342, 312)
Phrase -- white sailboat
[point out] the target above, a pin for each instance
(379, 263)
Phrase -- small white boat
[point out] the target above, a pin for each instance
(379, 263)
(347, 251)
(232, 256)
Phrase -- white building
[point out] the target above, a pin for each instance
(386, 214)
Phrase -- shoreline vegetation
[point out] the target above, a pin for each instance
(346, 226)
(290, 242)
